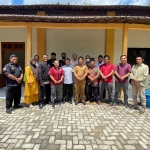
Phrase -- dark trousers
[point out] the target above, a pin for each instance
(45, 90)
(92, 90)
(104, 92)
(67, 92)
(13, 93)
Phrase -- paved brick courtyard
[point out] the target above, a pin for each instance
(74, 127)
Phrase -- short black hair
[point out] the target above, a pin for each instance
(140, 55)
(100, 56)
(36, 55)
(13, 55)
(67, 59)
(74, 54)
(87, 55)
(53, 54)
(63, 53)
(81, 58)
(107, 56)
(44, 55)
(92, 59)
(123, 56)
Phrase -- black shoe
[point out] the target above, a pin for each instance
(53, 105)
(17, 107)
(49, 103)
(70, 102)
(8, 111)
(76, 103)
(84, 103)
(40, 106)
(63, 102)
(126, 105)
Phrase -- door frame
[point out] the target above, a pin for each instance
(12, 48)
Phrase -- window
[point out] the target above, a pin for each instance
(132, 52)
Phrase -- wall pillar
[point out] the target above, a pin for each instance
(41, 38)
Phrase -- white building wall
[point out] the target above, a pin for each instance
(81, 41)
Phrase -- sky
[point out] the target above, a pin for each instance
(77, 2)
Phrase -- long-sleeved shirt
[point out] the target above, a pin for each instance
(140, 73)
(43, 75)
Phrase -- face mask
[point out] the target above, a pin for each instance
(63, 57)
(87, 60)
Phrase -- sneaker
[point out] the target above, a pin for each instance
(70, 102)
(76, 103)
(30, 106)
(84, 103)
(98, 102)
(63, 102)
(110, 104)
(8, 111)
(126, 105)
(40, 106)
(53, 105)
(59, 103)
(141, 111)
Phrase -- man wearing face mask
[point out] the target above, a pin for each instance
(62, 61)
(87, 59)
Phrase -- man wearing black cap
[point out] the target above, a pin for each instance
(14, 75)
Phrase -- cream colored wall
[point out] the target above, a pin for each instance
(81, 41)
(17, 35)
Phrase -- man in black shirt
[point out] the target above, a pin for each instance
(53, 58)
(44, 81)
(62, 61)
(14, 75)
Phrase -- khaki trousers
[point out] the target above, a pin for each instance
(79, 89)
(141, 90)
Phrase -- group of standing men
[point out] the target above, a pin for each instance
(58, 77)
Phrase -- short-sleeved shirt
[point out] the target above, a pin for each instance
(106, 70)
(68, 77)
(51, 62)
(93, 72)
(13, 69)
(56, 73)
(122, 70)
(99, 64)
(80, 71)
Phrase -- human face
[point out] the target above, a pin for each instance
(63, 56)
(100, 59)
(92, 63)
(33, 62)
(74, 56)
(56, 64)
(106, 60)
(36, 58)
(14, 60)
(53, 57)
(67, 62)
(123, 59)
(45, 58)
(139, 60)
(80, 61)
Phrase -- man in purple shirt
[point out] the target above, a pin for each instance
(122, 72)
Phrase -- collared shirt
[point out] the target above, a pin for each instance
(80, 71)
(73, 62)
(56, 73)
(106, 70)
(140, 73)
(122, 70)
(13, 69)
(68, 76)
(99, 64)
(93, 72)
(37, 63)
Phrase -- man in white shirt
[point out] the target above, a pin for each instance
(68, 80)
(74, 60)
(36, 58)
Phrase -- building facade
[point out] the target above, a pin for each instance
(27, 30)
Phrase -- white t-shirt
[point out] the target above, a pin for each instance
(73, 62)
